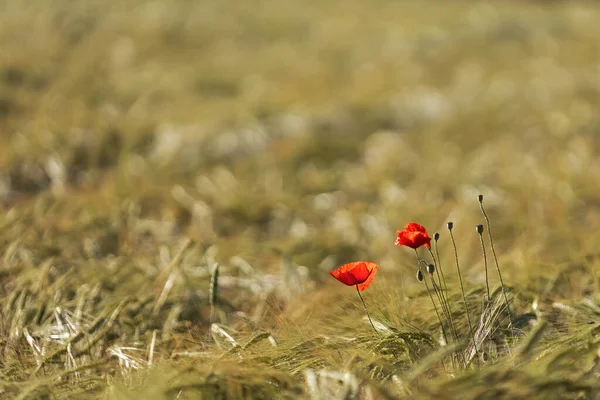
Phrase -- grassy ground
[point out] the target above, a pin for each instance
(144, 143)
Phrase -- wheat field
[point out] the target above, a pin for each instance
(178, 179)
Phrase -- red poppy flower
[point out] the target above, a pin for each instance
(359, 273)
(413, 236)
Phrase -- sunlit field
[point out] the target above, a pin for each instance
(179, 178)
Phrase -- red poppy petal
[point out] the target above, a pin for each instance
(413, 236)
(421, 239)
(346, 268)
(343, 274)
(359, 273)
(343, 277)
(372, 271)
(406, 239)
(414, 227)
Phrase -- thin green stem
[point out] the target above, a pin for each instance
(445, 307)
(366, 310)
(448, 311)
(369, 317)
(439, 266)
(436, 311)
(432, 300)
(438, 293)
(462, 288)
(444, 293)
(485, 264)
(489, 229)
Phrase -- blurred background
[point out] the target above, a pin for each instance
(287, 138)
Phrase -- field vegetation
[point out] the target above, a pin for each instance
(178, 178)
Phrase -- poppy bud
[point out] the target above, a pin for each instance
(436, 236)
(431, 269)
(450, 225)
(420, 275)
(479, 229)
(480, 198)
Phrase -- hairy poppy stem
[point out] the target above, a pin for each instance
(436, 311)
(444, 292)
(445, 306)
(439, 264)
(489, 229)
(367, 311)
(447, 311)
(462, 288)
(485, 264)
(440, 295)
(431, 297)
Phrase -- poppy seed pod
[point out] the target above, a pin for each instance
(479, 229)
(431, 269)
(420, 276)
(480, 198)
(436, 236)
(450, 225)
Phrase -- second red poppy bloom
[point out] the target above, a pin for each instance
(359, 273)
(413, 236)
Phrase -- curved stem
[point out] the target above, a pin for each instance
(485, 265)
(489, 229)
(462, 287)
(443, 293)
(367, 311)
(438, 267)
(431, 297)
